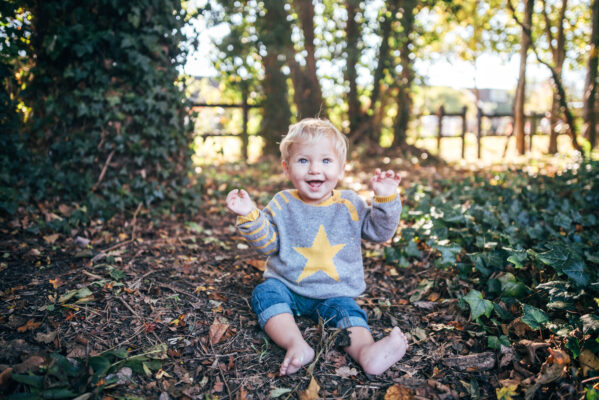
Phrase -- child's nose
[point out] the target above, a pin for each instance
(314, 168)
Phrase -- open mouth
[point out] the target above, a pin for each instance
(315, 184)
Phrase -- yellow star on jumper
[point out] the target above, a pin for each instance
(319, 256)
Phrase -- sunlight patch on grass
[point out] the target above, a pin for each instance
(498, 150)
(218, 150)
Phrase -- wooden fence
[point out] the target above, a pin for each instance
(244, 135)
(480, 115)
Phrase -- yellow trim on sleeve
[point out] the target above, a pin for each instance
(269, 209)
(385, 199)
(251, 217)
(260, 238)
(284, 197)
(274, 237)
(255, 230)
(277, 203)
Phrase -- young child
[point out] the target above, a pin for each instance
(312, 235)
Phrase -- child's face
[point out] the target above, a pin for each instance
(314, 168)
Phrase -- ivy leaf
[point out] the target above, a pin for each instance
(478, 305)
(533, 316)
(590, 323)
(564, 261)
(518, 258)
(411, 250)
(495, 342)
(448, 254)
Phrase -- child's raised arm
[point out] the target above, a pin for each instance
(239, 202)
(385, 183)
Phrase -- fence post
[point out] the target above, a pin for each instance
(533, 129)
(244, 133)
(464, 110)
(479, 118)
(440, 114)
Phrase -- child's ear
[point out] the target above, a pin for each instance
(285, 168)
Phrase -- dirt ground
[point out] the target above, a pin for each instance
(138, 282)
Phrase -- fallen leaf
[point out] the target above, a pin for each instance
(260, 265)
(434, 296)
(588, 361)
(29, 326)
(30, 364)
(278, 392)
(217, 330)
(162, 373)
(56, 283)
(311, 393)
(45, 337)
(50, 239)
(346, 372)
(5, 376)
(399, 392)
(218, 387)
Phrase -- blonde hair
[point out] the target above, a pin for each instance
(312, 129)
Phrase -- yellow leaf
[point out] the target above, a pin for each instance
(506, 392)
(312, 392)
(398, 392)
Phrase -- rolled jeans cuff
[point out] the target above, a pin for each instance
(275, 309)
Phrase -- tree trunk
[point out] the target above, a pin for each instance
(559, 55)
(352, 36)
(404, 95)
(307, 94)
(276, 112)
(368, 124)
(521, 89)
(590, 91)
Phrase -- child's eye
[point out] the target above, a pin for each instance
(302, 161)
(327, 161)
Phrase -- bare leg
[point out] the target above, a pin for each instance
(376, 357)
(283, 330)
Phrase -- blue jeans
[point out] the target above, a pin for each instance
(272, 297)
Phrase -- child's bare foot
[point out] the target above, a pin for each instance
(380, 356)
(296, 357)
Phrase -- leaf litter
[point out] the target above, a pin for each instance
(160, 308)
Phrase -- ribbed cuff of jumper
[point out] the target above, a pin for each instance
(385, 199)
(252, 216)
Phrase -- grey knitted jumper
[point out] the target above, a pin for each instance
(316, 249)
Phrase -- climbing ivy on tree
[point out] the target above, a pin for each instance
(107, 116)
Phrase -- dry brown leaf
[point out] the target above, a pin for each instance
(242, 394)
(218, 387)
(5, 376)
(50, 239)
(29, 326)
(56, 283)
(45, 337)
(260, 265)
(434, 296)
(399, 392)
(588, 361)
(311, 393)
(217, 330)
(30, 364)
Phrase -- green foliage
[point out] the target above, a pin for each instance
(67, 378)
(528, 242)
(107, 125)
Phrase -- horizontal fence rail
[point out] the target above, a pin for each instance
(245, 107)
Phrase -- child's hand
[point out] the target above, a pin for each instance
(239, 202)
(384, 183)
